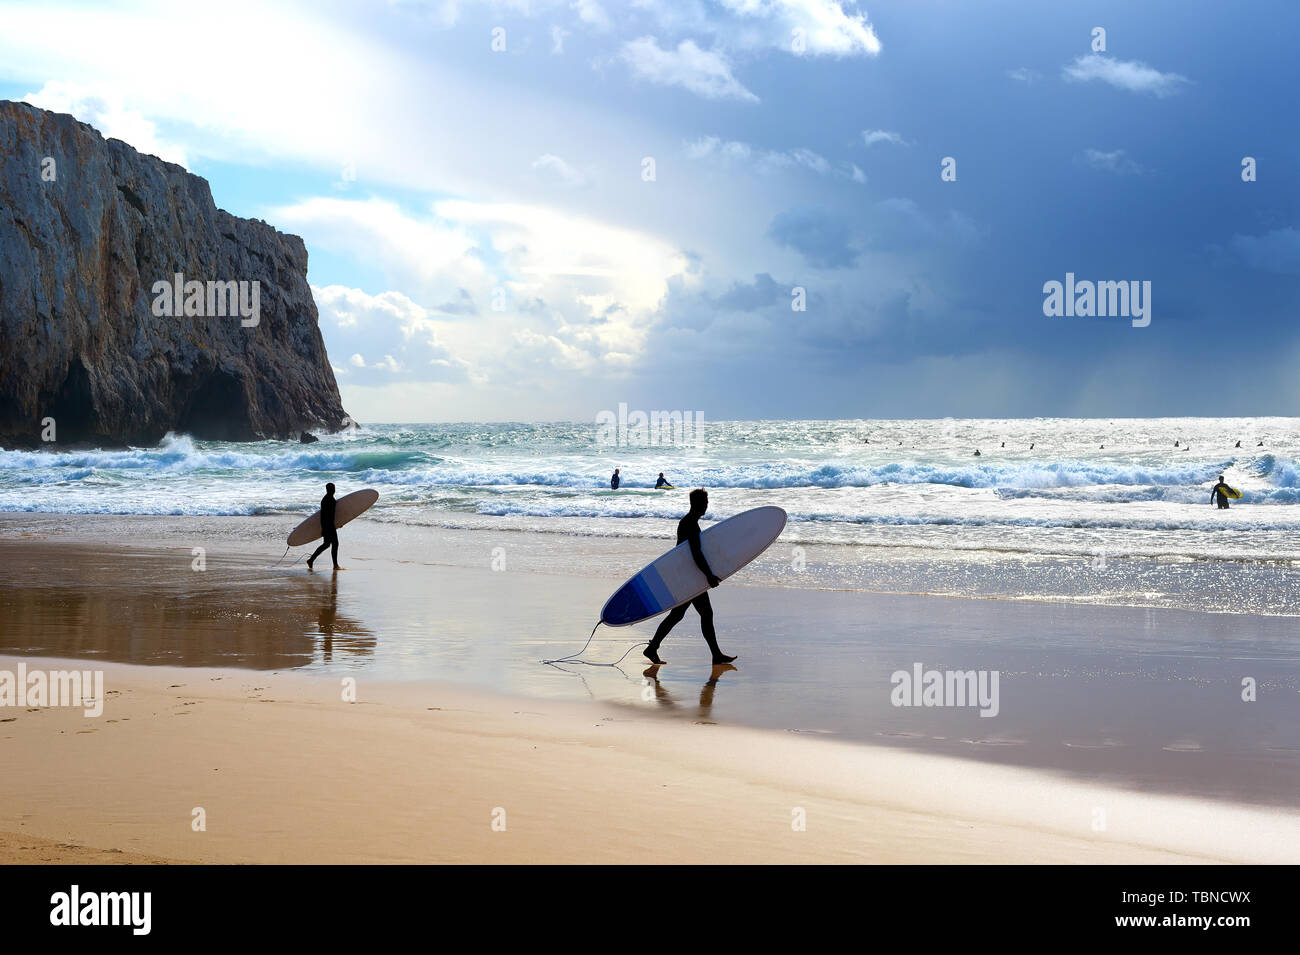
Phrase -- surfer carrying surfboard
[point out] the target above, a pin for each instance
(327, 526)
(688, 529)
(1220, 494)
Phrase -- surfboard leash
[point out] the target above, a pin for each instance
(580, 652)
(286, 554)
(573, 657)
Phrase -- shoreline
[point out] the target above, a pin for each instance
(286, 771)
(1227, 585)
(1147, 700)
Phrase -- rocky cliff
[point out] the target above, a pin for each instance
(96, 240)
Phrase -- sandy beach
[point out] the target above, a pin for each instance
(287, 772)
(224, 691)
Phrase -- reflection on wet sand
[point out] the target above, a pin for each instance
(354, 639)
(661, 695)
(1150, 699)
(155, 608)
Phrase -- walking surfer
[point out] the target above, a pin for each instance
(688, 529)
(1219, 495)
(327, 527)
(614, 480)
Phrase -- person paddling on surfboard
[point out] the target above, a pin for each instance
(688, 529)
(327, 525)
(614, 481)
(1220, 494)
(662, 482)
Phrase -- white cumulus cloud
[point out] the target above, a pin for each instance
(1116, 161)
(706, 73)
(390, 325)
(561, 169)
(824, 25)
(873, 136)
(763, 160)
(1124, 74)
(104, 109)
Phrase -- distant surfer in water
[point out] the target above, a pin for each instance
(614, 481)
(688, 529)
(1220, 494)
(327, 526)
(662, 482)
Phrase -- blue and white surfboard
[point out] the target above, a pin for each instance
(674, 579)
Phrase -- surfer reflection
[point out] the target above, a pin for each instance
(326, 622)
(1219, 495)
(706, 691)
(650, 678)
(688, 529)
(330, 531)
(661, 695)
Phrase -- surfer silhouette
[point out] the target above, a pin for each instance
(662, 482)
(614, 481)
(327, 526)
(688, 529)
(1219, 495)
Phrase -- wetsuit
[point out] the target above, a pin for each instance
(331, 533)
(1220, 495)
(688, 529)
(613, 482)
(662, 482)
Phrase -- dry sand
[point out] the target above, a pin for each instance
(286, 771)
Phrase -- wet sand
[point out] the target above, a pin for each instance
(1099, 706)
(1142, 698)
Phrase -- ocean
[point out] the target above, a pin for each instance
(1095, 510)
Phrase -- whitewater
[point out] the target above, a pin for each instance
(1094, 488)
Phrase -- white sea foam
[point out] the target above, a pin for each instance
(1119, 486)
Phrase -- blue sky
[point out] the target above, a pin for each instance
(484, 244)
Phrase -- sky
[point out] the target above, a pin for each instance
(540, 209)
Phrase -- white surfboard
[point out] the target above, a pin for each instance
(345, 509)
(674, 579)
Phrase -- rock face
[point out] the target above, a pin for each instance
(87, 227)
